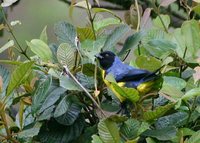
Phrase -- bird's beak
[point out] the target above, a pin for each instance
(98, 56)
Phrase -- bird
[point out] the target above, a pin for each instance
(125, 75)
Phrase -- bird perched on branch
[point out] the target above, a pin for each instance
(125, 75)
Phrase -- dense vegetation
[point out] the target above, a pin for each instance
(41, 103)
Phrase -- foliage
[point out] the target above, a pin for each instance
(41, 102)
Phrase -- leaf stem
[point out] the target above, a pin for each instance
(23, 52)
(138, 15)
(90, 18)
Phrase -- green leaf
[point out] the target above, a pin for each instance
(158, 22)
(158, 112)
(130, 128)
(5, 75)
(176, 82)
(53, 132)
(163, 134)
(177, 119)
(96, 139)
(98, 25)
(191, 93)
(115, 36)
(66, 55)
(195, 138)
(68, 83)
(191, 32)
(18, 76)
(67, 110)
(161, 47)
(131, 42)
(6, 46)
(108, 131)
(85, 33)
(41, 49)
(41, 92)
(65, 32)
(148, 63)
(43, 35)
(10, 62)
(46, 114)
(53, 96)
(29, 133)
(129, 93)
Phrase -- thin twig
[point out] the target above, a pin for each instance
(83, 88)
(138, 15)
(91, 19)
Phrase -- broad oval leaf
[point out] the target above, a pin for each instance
(176, 82)
(108, 131)
(96, 139)
(65, 32)
(41, 49)
(66, 55)
(18, 76)
(163, 134)
(191, 32)
(115, 36)
(148, 63)
(98, 25)
(85, 33)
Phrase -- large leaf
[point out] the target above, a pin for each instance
(67, 110)
(191, 32)
(176, 119)
(66, 55)
(108, 131)
(65, 32)
(18, 76)
(41, 92)
(128, 93)
(131, 42)
(68, 83)
(175, 82)
(161, 47)
(41, 49)
(158, 112)
(148, 63)
(98, 25)
(53, 96)
(115, 36)
(163, 134)
(52, 132)
(5, 77)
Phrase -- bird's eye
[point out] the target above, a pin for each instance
(107, 55)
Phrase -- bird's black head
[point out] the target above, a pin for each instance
(106, 59)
